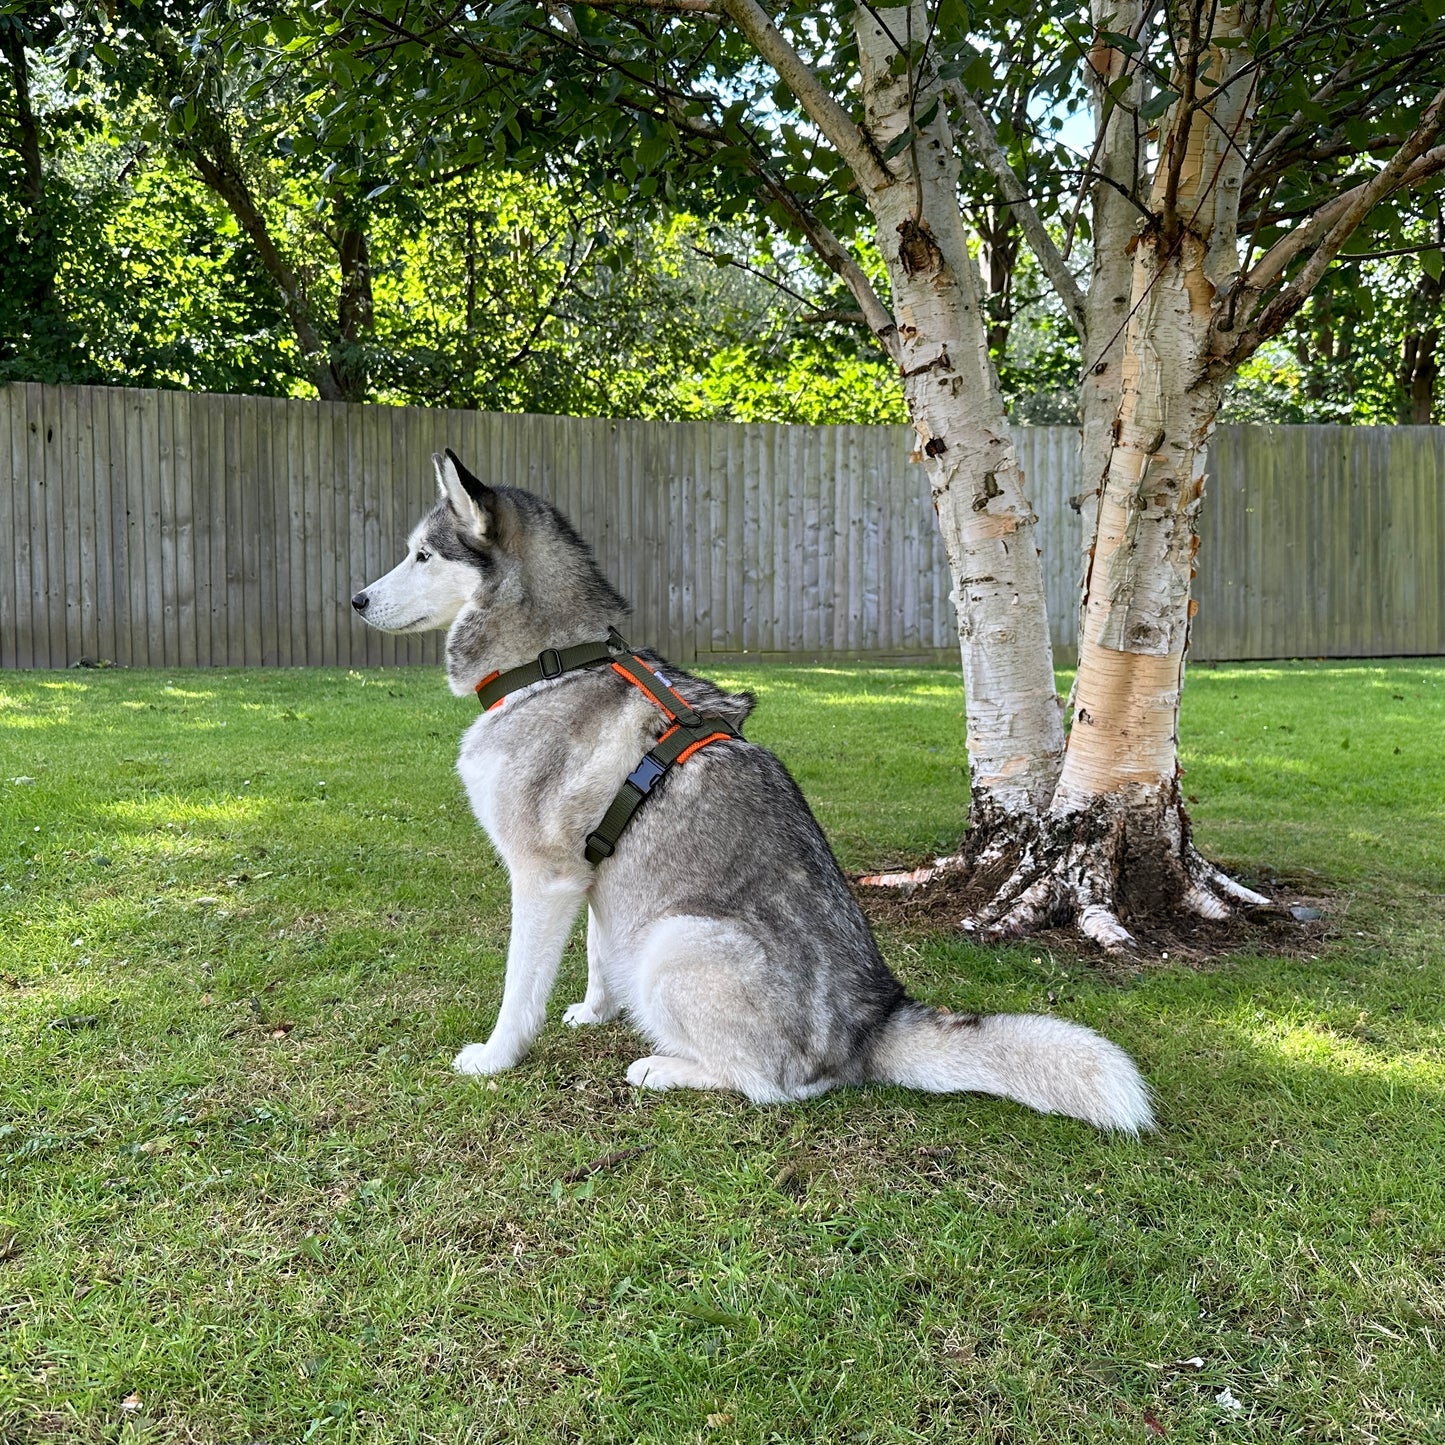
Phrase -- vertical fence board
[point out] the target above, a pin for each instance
(160, 543)
(198, 463)
(9, 498)
(184, 528)
(170, 548)
(82, 518)
(52, 472)
(137, 530)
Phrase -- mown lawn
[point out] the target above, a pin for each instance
(245, 920)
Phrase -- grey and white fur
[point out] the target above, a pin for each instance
(722, 925)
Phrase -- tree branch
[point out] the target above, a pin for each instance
(1272, 265)
(839, 260)
(795, 72)
(982, 141)
(1387, 255)
(719, 258)
(819, 318)
(706, 9)
(1333, 225)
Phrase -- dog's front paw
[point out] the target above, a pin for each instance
(578, 1014)
(482, 1059)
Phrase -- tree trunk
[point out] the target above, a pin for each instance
(1015, 733)
(1419, 362)
(44, 334)
(1118, 839)
(354, 313)
(1119, 162)
(1000, 248)
(208, 146)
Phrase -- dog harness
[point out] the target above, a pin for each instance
(687, 731)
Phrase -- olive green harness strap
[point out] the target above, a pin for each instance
(552, 662)
(675, 746)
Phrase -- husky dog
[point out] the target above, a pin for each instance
(721, 924)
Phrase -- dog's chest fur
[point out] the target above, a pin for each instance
(540, 770)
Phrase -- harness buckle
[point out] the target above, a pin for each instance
(645, 775)
(550, 662)
(598, 848)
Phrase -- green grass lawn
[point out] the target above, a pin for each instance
(245, 920)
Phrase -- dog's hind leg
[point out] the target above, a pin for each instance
(596, 1006)
(661, 1072)
(542, 914)
(708, 1001)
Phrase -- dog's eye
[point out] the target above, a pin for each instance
(423, 556)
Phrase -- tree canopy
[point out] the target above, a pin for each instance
(491, 162)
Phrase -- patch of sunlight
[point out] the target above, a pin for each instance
(1323, 1048)
(53, 717)
(66, 685)
(1353, 670)
(171, 691)
(890, 697)
(84, 923)
(157, 811)
(1255, 760)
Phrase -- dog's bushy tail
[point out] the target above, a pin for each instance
(1051, 1065)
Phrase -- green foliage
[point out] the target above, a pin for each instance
(245, 920)
(1342, 361)
(489, 288)
(514, 178)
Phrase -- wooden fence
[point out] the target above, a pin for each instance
(170, 529)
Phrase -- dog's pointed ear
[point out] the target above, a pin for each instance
(472, 501)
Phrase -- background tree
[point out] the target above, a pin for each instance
(37, 337)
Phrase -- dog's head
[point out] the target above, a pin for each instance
(499, 567)
(450, 556)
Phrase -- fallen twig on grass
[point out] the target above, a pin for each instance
(610, 1160)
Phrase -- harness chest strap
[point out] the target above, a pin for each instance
(688, 730)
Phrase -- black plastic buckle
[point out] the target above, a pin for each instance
(645, 775)
(550, 661)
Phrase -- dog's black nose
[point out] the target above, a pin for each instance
(359, 601)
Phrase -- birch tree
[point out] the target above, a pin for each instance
(1238, 149)
(1286, 124)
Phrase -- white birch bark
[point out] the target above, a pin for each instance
(1119, 160)
(1123, 747)
(989, 529)
(1117, 828)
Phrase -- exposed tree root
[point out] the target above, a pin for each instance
(1095, 870)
